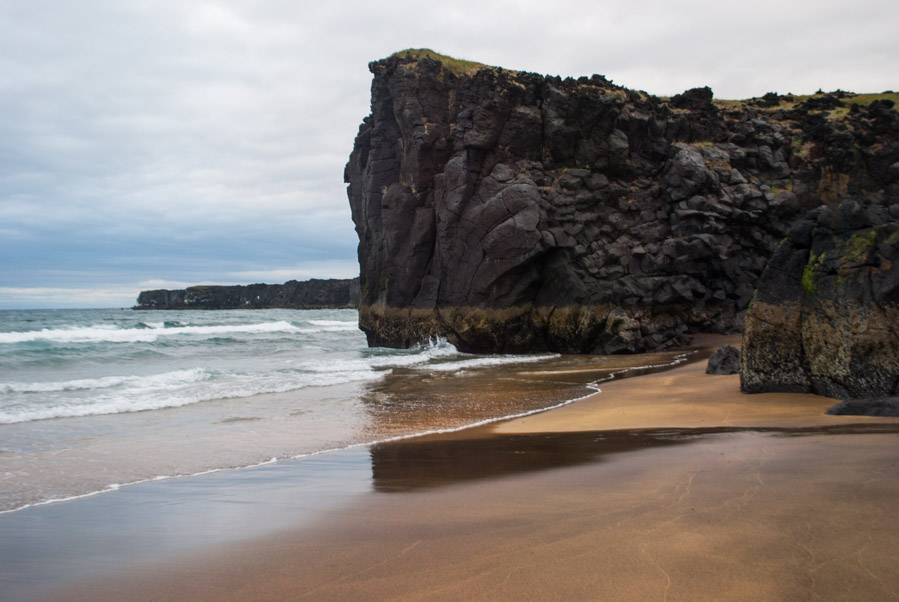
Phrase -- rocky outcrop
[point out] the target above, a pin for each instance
(510, 211)
(884, 407)
(309, 294)
(825, 318)
(724, 360)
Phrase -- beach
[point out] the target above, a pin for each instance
(664, 486)
(372, 301)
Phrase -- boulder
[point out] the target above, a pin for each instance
(885, 406)
(724, 360)
(695, 99)
(825, 318)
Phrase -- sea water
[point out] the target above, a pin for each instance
(92, 400)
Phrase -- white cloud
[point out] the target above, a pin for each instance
(324, 269)
(53, 297)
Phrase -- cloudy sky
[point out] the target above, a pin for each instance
(164, 143)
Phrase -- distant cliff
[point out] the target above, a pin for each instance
(309, 294)
(509, 211)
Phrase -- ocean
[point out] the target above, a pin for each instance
(95, 400)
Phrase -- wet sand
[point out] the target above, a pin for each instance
(665, 486)
(686, 397)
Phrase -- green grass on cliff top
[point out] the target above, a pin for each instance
(464, 67)
(458, 66)
(851, 98)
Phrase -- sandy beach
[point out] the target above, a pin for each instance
(667, 486)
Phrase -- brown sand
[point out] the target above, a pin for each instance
(585, 503)
(686, 397)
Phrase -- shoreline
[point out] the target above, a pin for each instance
(670, 484)
(686, 397)
(264, 460)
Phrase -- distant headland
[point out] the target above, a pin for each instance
(293, 294)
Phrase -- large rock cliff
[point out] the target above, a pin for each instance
(308, 294)
(510, 211)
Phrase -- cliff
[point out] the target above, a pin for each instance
(309, 294)
(510, 211)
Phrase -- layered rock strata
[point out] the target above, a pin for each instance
(825, 318)
(309, 294)
(511, 212)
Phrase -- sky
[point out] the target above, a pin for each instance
(166, 143)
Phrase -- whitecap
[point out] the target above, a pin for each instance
(108, 334)
(82, 384)
(168, 390)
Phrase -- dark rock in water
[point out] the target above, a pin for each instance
(512, 212)
(826, 315)
(724, 360)
(309, 294)
(887, 406)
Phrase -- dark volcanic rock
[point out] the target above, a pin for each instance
(724, 360)
(826, 314)
(886, 406)
(309, 294)
(695, 99)
(509, 211)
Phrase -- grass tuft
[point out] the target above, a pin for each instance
(457, 66)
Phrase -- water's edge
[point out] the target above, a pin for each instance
(686, 356)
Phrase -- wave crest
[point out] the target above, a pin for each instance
(118, 395)
(147, 333)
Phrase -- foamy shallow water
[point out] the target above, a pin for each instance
(91, 400)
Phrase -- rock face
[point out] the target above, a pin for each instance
(825, 318)
(886, 406)
(724, 360)
(512, 212)
(309, 294)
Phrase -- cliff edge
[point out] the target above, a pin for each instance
(510, 212)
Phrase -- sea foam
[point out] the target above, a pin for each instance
(334, 325)
(149, 333)
(117, 395)
(486, 362)
(106, 382)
